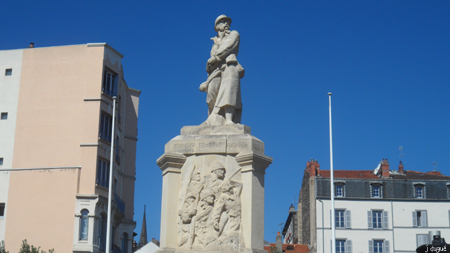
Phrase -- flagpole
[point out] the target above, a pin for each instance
(333, 224)
(111, 163)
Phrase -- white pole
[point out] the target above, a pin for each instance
(111, 163)
(333, 225)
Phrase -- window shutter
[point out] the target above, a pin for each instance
(421, 240)
(348, 223)
(348, 246)
(423, 219)
(331, 220)
(369, 219)
(414, 215)
(386, 246)
(370, 246)
(385, 220)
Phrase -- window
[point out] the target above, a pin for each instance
(84, 223)
(1, 161)
(377, 219)
(422, 239)
(117, 144)
(8, 72)
(125, 243)
(343, 246)
(339, 218)
(103, 173)
(105, 127)
(448, 190)
(340, 246)
(342, 218)
(378, 246)
(102, 232)
(419, 191)
(109, 83)
(339, 190)
(376, 190)
(2, 209)
(420, 218)
(4, 115)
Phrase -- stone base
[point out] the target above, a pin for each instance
(215, 130)
(233, 139)
(169, 250)
(189, 169)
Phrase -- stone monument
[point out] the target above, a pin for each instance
(213, 174)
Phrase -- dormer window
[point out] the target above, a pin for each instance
(419, 190)
(376, 190)
(339, 189)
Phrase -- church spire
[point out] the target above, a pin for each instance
(143, 238)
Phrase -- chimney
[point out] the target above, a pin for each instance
(279, 243)
(436, 173)
(385, 168)
(314, 168)
(400, 168)
(31, 45)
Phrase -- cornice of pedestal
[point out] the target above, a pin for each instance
(171, 162)
(253, 162)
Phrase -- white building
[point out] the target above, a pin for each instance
(391, 211)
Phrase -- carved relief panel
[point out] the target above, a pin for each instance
(210, 204)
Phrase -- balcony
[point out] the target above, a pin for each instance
(116, 249)
(120, 205)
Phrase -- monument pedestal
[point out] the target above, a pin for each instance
(213, 190)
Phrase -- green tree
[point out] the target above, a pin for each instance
(26, 248)
(2, 247)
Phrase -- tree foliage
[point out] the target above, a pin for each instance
(2, 248)
(26, 248)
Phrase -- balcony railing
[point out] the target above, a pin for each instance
(116, 249)
(120, 205)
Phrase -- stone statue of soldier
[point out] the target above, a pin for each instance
(223, 85)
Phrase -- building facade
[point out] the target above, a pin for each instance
(375, 211)
(56, 107)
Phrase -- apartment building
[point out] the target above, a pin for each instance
(56, 106)
(376, 211)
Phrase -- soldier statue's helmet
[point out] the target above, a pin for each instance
(218, 166)
(190, 195)
(220, 18)
(205, 193)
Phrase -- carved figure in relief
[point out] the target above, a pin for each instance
(227, 211)
(186, 213)
(189, 210)
(215, 179)
(210, 215)
(223, 85)
(202, 228)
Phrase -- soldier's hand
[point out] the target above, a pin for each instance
(211, 61)
(203, 87)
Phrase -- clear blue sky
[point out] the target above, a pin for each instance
(386, 62)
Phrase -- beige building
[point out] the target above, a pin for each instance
(55, 134)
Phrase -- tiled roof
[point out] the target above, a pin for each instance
(368, 174)
(289, 248)
(358, 174)
(410, 174)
